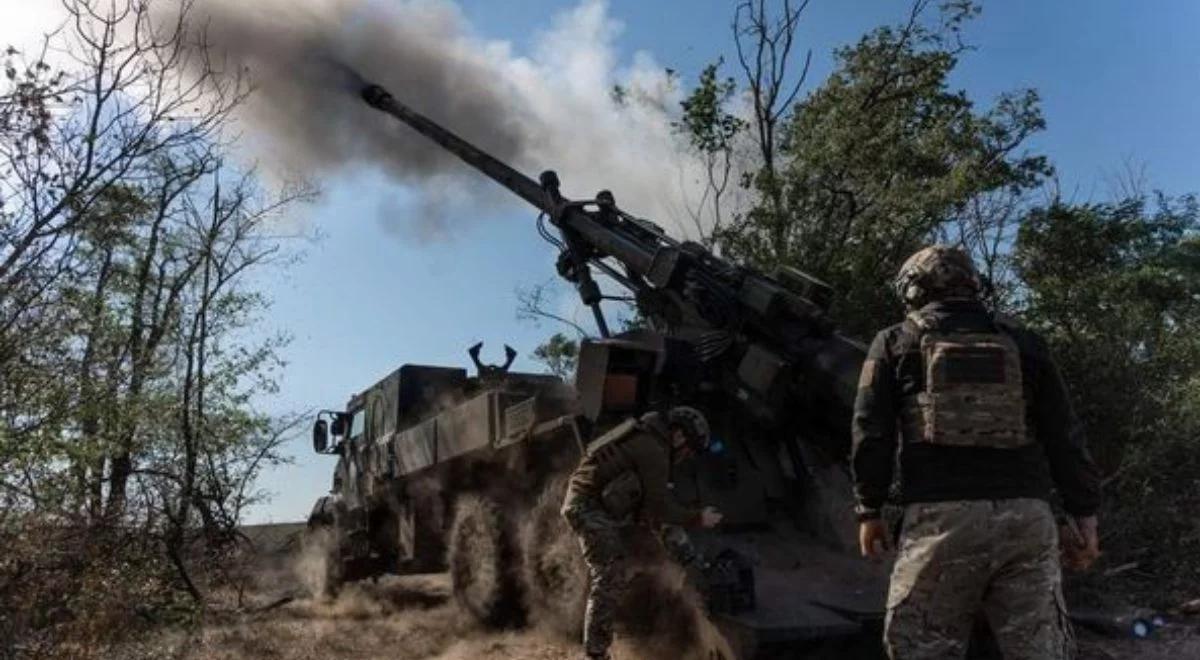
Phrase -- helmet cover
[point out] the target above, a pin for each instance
(937, 272)
(693, 424)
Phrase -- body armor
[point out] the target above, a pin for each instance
(973, 395)
(620, 487)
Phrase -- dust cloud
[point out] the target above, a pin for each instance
(550, 108)
(661, 616)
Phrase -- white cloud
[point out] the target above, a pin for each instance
(27, 21)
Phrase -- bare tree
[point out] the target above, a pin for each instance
(711, 131)
(75, 135)
(986, 227)
(764, 40)
(534, 303)
(75, 140)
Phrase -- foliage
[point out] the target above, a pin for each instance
(127, 430)
(711, 129)
(559, 353)
(885, 156)
(877, 159)
(67, 590)
(1115, 288)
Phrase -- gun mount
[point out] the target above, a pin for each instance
(478, 463)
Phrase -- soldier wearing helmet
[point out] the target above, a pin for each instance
(622, 480)
(980, 417)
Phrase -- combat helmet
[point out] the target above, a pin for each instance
(694, 426)
(934, 273)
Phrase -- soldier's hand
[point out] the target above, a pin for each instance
(710, 517)
(873, 538)
(1081, 546)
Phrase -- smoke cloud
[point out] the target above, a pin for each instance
(551, 108)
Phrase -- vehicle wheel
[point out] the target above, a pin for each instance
(483, 563)
(555, 574)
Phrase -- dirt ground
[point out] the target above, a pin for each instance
(415, 617)
(397, 618)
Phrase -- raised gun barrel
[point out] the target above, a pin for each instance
(768, 336)
(543, 196)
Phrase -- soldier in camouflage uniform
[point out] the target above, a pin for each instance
(623, 480)
(980, 417)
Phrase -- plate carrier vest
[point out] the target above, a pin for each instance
(973, 394)
(622, 495)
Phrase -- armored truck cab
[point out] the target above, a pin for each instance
(412, 443)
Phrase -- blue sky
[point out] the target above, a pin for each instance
(1119, 83)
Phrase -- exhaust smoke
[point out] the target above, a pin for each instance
(550, 109)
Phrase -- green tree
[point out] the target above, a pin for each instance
(129, 351)
(880, 158)
(710, 129)
(1115, 289)
(559, 353)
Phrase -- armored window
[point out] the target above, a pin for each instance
(358, 423)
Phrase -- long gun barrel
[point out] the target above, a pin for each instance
(770, 334)
(544, 196)
(379, 98)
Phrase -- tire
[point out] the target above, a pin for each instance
(483, 563)
(555, 575)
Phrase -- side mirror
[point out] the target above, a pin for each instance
(320, 436)
(339, 425)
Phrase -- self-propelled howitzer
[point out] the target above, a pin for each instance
(765, 341)
(434, 465)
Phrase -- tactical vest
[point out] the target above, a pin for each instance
(973, 394)
(620, 486)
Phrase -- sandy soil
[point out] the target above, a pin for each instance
(412, 618)
(408, 618)
(397, 618)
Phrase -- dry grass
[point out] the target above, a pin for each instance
(403, 618)
(415, 617)
(396, 618)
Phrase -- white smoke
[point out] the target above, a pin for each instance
(550, 108)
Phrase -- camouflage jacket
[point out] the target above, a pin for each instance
(644, 451)
(893, 371)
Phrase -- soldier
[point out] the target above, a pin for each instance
(624, 478)
(980, 416)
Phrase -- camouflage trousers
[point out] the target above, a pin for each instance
(600, 537)
(961, 558)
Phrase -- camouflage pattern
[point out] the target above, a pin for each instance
(619, 487)
(973, 392)
(600, 538)
(937, 272)
(960, 558)
(622, 496)
(628, 470)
